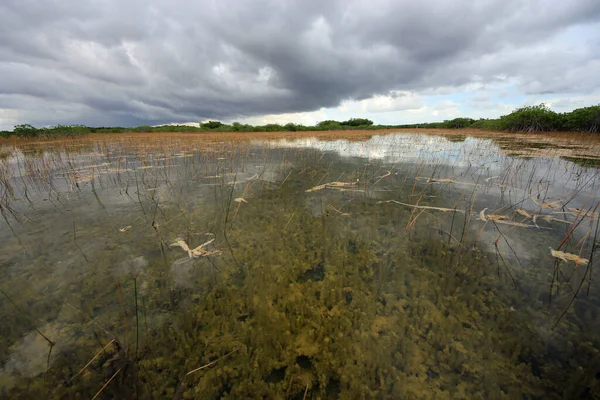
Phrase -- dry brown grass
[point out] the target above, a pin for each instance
(569, 144)
(569, 257)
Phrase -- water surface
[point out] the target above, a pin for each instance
(390, 266)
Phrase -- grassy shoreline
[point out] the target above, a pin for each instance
(563, 144)
(474, 132)
(533, 119)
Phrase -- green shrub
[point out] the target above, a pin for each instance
(354, 122)
(458, 123)
(532, 119)
(237, 127)
(142, 129)
(487, 124)
(329, 125)
(586, 119)
(114, 129)
(272, 128)
(290, 127)
(212, 124)
(26, 130)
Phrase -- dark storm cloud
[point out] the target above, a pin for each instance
(131, 62)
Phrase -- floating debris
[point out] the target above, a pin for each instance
(547, 204)
(496, 217)
(199, 251)
(443, 180)
(79, 178)
(125, 228)
(502, 219)
(569, 257)
(240, 200)
(421, 207)
(549, 218)
(491, 217)
(181, 243)
(343, 186)
(532, 217)
(482, 215)
(379, 178)
(524, 213)
(583, 213)
(435, 180)
(518, 224)
(331, 207)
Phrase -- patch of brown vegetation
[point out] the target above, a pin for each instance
(553, 144)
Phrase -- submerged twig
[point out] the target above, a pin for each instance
(211, 363)
(106, 384)
(289, 220)
(92, 360)
(76, 244)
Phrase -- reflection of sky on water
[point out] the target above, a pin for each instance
(502, 183)
(399, 147)
(469, 161)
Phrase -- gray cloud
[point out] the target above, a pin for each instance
(133, 62)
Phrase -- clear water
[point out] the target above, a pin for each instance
(395, 266)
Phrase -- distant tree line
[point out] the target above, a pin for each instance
(538, 118)
(29, 131)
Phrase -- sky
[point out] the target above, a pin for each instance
(149, 62)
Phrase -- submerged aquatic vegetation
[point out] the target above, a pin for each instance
(381, 283)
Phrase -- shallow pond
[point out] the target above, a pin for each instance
(386, 266)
